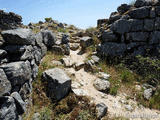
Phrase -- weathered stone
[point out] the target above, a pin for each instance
(58, 83)
(137, 36)
(66, 48)
(148, 24)
(20, 104)
(57, 50)
(19, 37)
(9, 20)
(85, 42)
(95, 58)
(79, 66)
(148, 93)
(8, 108)
(141, 3)
(4, 83)
(154, 37)
(103, 75)
(74, 46)
(67, 62)
(102, 85)
(157, 23)
(101, 109)
(114, 16)
(25, 90)
(37, 54)
(112, 49)
(49, 38)
(101, 22)
(123, 8)
(109, 36)
(136, 25)
(121, 26)
(2, 53)
(17, 72)
(140, 13)
(34, 69)
(39, 43)
(65, 39)
(89, 66)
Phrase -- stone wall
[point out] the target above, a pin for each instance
(132, 30)
(9, 20)
(20, 56)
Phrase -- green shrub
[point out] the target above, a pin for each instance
(48, 19)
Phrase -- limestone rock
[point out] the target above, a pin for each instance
(148, 93)
(109, 36)
(74, 46)
(17, 72)
(20, 104)
(4, 83)
(102, 85)
(49, 38)
(19, 37)
(121, 26)
(58, 83)
(8, 108)
(101, 109)
(140, 13)
(85, 42)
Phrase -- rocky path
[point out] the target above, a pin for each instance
(118, 106)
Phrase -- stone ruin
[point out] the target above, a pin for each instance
(9, 20)
(132, 30)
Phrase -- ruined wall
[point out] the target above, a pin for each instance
(9, 20)
(20, 56)
(132, 30)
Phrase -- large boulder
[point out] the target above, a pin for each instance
(121, 26)
(17, 72)
(140, 13)
(4, 83)
(49, 38)
(8, 108)
(85, 42)
(19, 37)
(58, 83)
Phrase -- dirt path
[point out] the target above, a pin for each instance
(117, 105)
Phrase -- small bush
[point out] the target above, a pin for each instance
(48, 19)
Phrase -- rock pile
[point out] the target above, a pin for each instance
(20, 56)
(9, 20)
(132, 30)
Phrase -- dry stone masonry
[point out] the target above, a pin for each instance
(9, 20)
(132, 30)
(20, 56)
